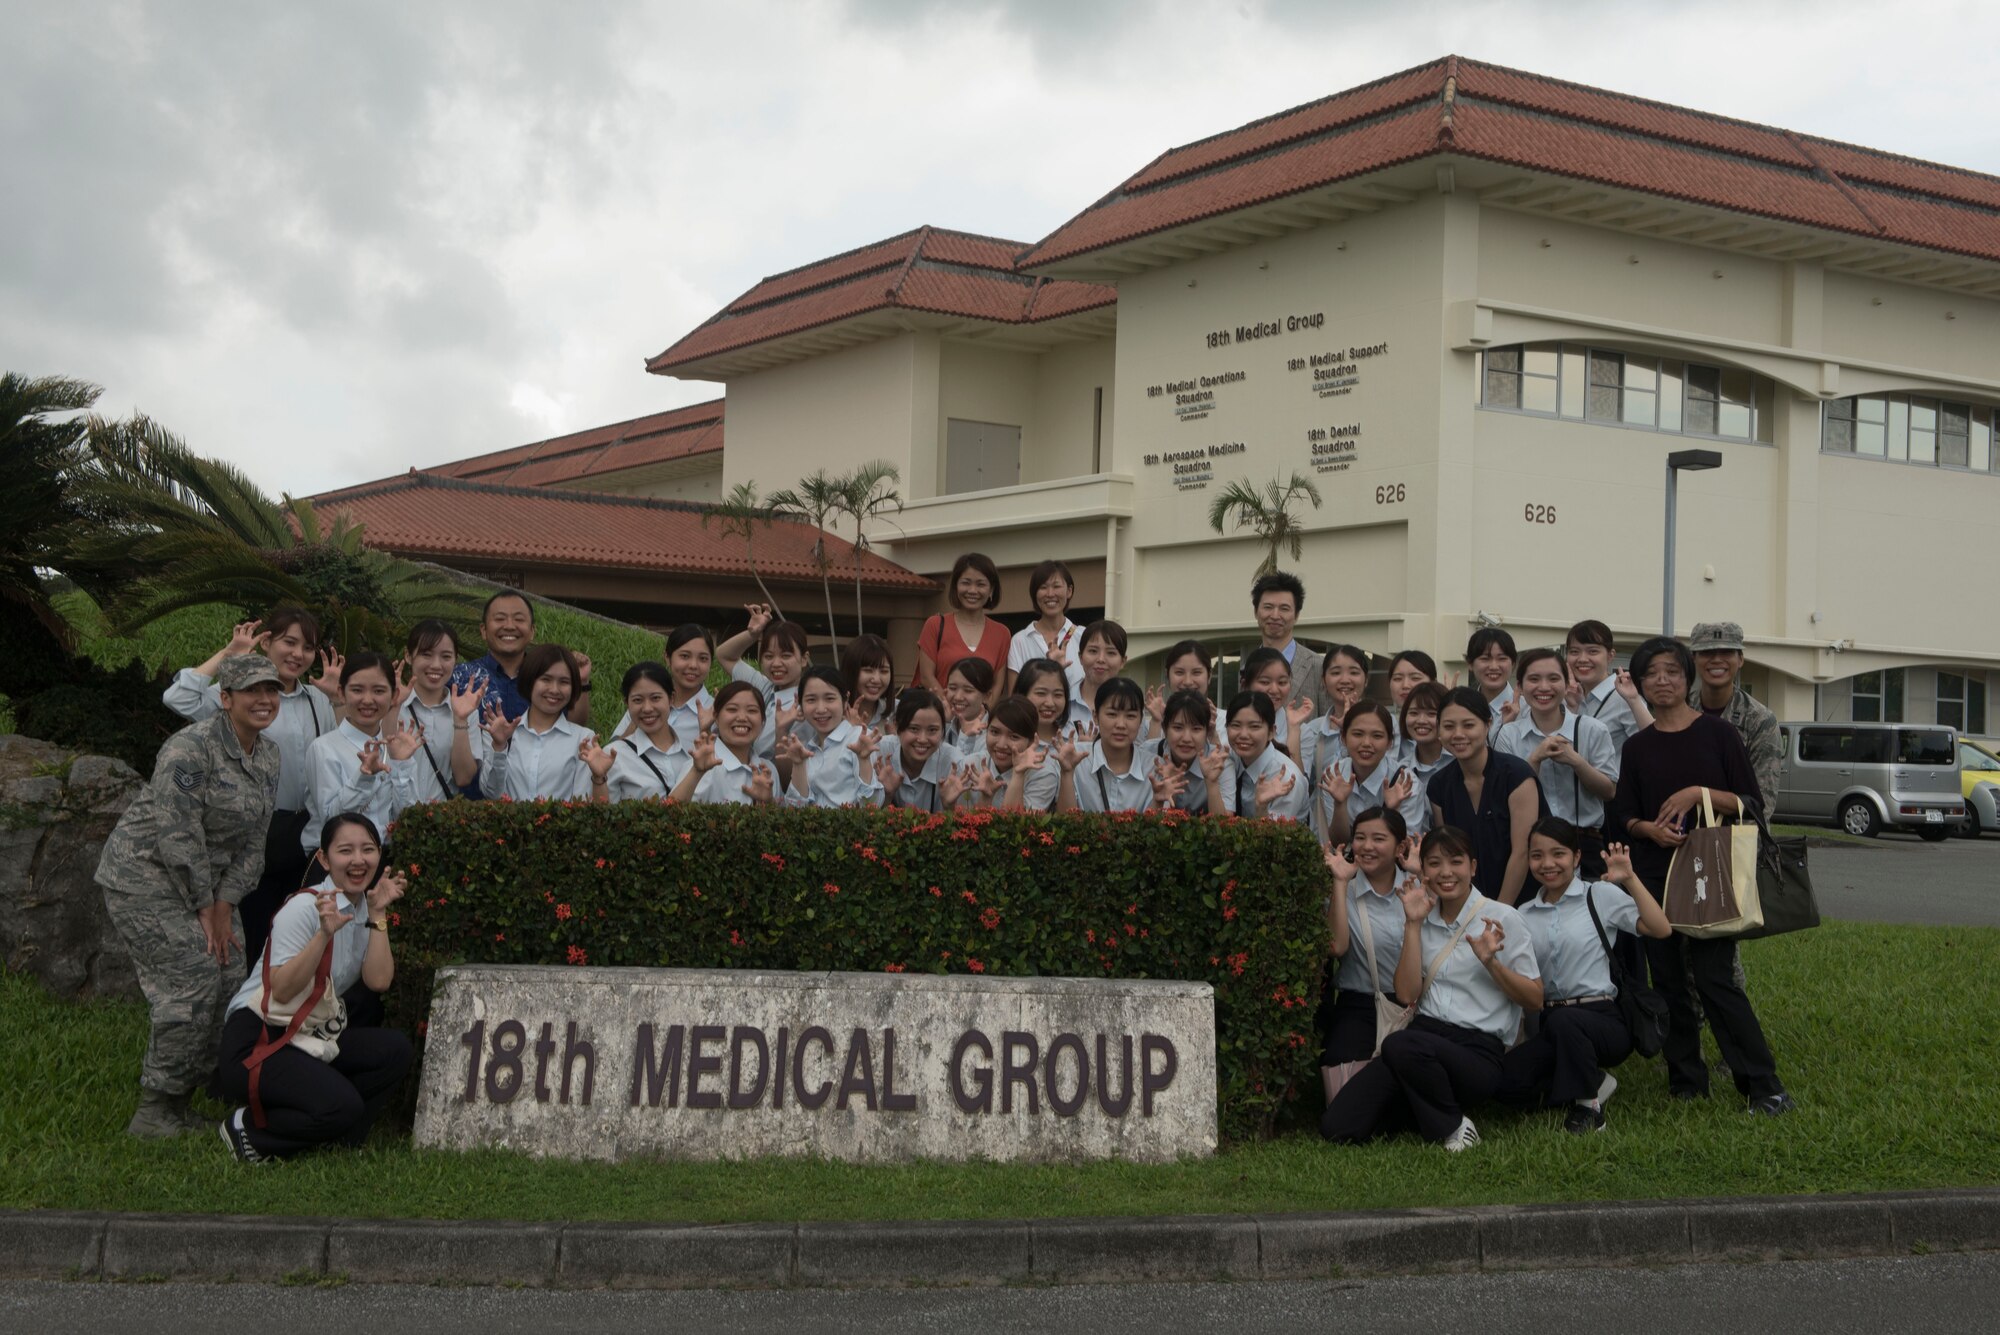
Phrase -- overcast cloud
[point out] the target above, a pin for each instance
(331, 242)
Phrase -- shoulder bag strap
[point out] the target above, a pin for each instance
(410, 713)
(1367, 941)
(1438, 963)
(1617, 965)
(645, 760)
(1103, 793)
(254, 1063)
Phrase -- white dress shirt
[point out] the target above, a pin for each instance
(724, 784)
(1562, 786)
(1239, 787)
(1463, 992)
(834, 775)
(539, 765)
(1382, 917)
(641, 771)
(1568, 949)
(337, 784)
(1102, 788)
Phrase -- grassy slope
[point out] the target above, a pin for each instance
(1884, 1034)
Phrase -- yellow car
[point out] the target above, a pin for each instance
(1979, 763)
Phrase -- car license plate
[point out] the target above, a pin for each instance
(1933, 818)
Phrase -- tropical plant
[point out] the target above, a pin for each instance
(867, 493)
(190, 530)
(41, 518)
(815, 500)
(739, 513)
(1267, 512)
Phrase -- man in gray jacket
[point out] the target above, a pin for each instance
(181, 859)
(1277, 599)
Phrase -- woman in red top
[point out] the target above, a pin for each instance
(965, 631)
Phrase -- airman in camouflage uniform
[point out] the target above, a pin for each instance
(1718, 649)
(184, 854)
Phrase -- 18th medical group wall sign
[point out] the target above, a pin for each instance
(589, 1063)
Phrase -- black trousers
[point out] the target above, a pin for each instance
(285, 866)
(1687, 967)
(1425, 1078)
(1565, 1061)
(308, 1102)
(1347, 1025)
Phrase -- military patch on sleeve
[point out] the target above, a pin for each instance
(188, 780)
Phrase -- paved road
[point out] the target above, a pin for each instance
(1899, 878)
(1872, 1297)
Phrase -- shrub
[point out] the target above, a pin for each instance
(1237, 904)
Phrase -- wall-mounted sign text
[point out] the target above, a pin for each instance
(1333, 449)
(1256, 329)
(1193, 468)
(1194, 398)
(1336, 371)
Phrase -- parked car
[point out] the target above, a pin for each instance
(1864, 777)
(1979, 766)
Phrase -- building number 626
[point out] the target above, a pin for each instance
(1536, 513)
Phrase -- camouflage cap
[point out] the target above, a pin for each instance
(242, 671)
(1716, 635)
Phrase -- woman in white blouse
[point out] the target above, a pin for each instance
(647, 762)
(542, 754)
(1468, 966)
(362, 766)
(726, 768)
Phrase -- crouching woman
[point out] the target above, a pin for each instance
(306, 1076)
(1468, 967)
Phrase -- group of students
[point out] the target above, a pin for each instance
(1437, 808)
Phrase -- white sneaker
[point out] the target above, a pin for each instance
(1464, 1138)
(237, 1138)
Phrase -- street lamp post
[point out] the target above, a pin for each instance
(1680, 461)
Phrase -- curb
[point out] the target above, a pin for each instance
(38, 1244)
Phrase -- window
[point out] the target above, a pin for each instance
(1961, 702)
(1630, 389)
(1923, 747)
(1523, 377)
(1878, 697)
(1975, 761)
(1844, 746)
(979, 456)
(1911, 428)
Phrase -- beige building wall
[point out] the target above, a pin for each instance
(1362, 373)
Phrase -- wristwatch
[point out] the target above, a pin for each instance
(376, 925)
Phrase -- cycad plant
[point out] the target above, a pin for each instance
(191, 530)
(1267, 512)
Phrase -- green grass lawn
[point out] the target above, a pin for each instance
(1885, 1035)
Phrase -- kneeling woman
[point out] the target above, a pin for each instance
(1573, 923)
(1366, 917)
(309, 1078)
(1467, 966)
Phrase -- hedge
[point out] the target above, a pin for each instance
(1234, 903)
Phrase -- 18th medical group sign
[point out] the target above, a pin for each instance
(706, 1064)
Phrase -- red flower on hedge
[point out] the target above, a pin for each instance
(968, 896)
(831, 889)
(578, 955)
(892, 968)
(939, 893)
(562, 913)
(1229, 914)
(735, 937)
(990, 919)
(600, 864)
(499, 936)
(775, 860)
(974, 965)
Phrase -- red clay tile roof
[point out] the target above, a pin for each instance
(928, 269)
(680, 433)
(1465, 108)
(424, 515)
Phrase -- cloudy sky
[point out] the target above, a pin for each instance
(330, 242)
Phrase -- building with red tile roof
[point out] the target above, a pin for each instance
(645, 455)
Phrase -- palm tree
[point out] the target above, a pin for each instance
(815, 500)
(41, 518)
(192, 530)
(867, 493)
(1267, 512)
(739, 513)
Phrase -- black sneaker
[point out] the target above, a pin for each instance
(1773, 1105)
(238, 1140)
(1582, 1119)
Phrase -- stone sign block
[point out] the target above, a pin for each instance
(590, 1063)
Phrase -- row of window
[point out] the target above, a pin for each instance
(1627, 389)
(1911, 428)
(1877, 697)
